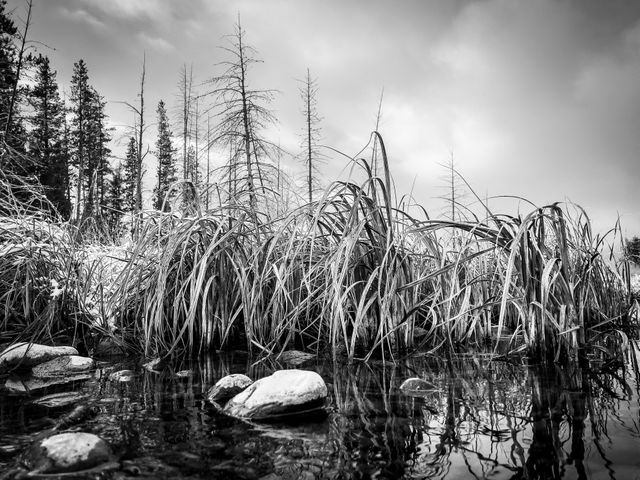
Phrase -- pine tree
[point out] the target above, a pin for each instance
(80, 106)
(129, 176)
(88, 143)
(115, 201)
(47, 137)
(165, 153)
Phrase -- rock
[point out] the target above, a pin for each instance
(154, 365)
(295, 358)
(416, 387)
(286, 392)
(419, 333)
(32, 385)
(59, 400)
(68, 364)
(228, 387)
(79, 414)
(67, 452)
(122, 376)
(108, 347)
(28, 355)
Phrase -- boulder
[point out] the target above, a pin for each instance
(228, 387)
(67, 452)
(65, 365)
(30, 354)
(286, 392)
(416, 387)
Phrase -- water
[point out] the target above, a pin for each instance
(483, 420)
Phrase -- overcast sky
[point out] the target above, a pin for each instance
(539, 99)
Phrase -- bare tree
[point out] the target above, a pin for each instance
(312, 155)
(242, 116)
(139, 128)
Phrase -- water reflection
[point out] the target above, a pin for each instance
(483, 420)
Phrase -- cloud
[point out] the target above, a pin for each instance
(83, 16)
(155, 43)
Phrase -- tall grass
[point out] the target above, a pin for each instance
(354, 273)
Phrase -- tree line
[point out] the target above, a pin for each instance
(62, 145)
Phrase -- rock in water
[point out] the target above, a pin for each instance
(67, 452)
(285, 392)
(59, 400)
(228, 387)
(416, 386)
(32, 385)
(68, 364)
(295, 358)
(28, 355)
(122, 376)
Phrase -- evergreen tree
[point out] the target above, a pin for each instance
(80, 106)
(47, 146)
(129, 176)
(89, 141)
(8, 76)
(12, 131)
(115, 201)
(165, 153)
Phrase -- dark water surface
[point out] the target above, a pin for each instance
(482, 420)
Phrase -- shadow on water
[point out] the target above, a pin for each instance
(480, 420)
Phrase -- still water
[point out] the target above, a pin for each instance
(492, 420)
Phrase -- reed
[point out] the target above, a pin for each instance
(353, 273)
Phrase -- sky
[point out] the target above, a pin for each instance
(533, 98)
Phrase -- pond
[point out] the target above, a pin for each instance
(493, 420)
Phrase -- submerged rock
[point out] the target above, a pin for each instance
(59, 400)
(28, 355)
(122, 376)
(32, 385)
(154, 365)
(286, 392)
(108, 347)
(416, 386)
(295, 358)
(65, 365)
(67, 452)
(228, 387)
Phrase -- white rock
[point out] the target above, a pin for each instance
(68, 452)
(122, 376)
(416, 386)
(28, 355)
(228, 386)
(284, 392)
(65, 365)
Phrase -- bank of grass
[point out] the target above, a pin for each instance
(354, 274)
